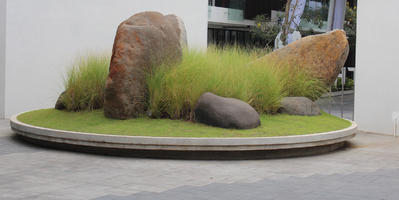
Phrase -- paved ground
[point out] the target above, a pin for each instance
(367, 170)
(332, 105)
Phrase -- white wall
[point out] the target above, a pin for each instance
(2, 55)
(45, 36)
(377, 65)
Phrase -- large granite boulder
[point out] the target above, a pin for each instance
(143, 41)
(299, 106)
(225, 112)
(322, 55)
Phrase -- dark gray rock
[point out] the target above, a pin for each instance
(225, 112)
(299, 106)
(59, 105)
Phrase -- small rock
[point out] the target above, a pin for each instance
(299, 106)
(225, 112)
(59, 105)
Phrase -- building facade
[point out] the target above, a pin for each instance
(377, 70)
(2, 57)
(40, 39)
(230, 21)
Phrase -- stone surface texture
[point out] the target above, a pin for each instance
(299, 106)
(143, 41)
(323, 55)
(181, 29)
(225, 112)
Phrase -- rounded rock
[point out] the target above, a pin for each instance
(299, 106)
(225, 112)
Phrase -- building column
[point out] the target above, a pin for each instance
(336, 14)
(3, 9)
(339, 14)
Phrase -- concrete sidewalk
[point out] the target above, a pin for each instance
(367, 170)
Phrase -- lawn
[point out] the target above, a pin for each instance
(95, 122)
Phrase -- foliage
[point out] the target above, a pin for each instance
(296, 82)
(227, 72)
(349, 85)
(265, 29)
(316, 16)
(85, 82)
(350, 20)
(95, 122)
(350, 25)
(254, 51)
(174, 90)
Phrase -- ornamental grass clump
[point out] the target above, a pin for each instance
(84, 83)
(228, 72)
(173, 90)
(296, 82)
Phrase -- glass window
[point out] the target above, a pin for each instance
(222, 3)
(210, 2)
(235, 4)
(315, 16)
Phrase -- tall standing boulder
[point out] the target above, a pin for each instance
(143, 41)
(322, 55)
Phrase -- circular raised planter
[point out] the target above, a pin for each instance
(144, 146)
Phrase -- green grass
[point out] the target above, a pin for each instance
(175, 89)
(228, 72)
(95, 122)
(84, 83)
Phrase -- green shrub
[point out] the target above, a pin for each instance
(227, 72)
(265, 30)
(84, 83)
(349, 85)
(174, 90)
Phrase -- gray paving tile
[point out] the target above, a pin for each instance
(112, 197)
(290, 188)
(9, 145)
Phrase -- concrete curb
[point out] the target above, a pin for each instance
(181, 144)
